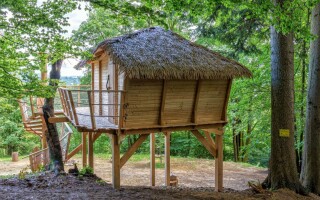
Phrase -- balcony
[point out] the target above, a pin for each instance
(92, 110)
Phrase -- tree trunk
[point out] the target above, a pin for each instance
(282, 170)
(52, 132)
(310, 174)
(299, 135)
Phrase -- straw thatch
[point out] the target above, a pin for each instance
(155, 53)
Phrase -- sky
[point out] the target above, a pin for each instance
(76, 17)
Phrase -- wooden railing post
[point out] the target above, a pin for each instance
(79, 96)
(93, 121)
(73, 109)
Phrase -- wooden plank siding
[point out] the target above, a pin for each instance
(143, 99)
(149, 104)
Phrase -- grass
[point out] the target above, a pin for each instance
(8, 176)
(5, 158)
(9, 158)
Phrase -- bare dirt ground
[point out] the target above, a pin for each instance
(196, 181)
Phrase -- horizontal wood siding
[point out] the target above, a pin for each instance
(211, 100)
(143, 103)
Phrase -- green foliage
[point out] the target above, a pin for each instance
(31, 35)
(86, 171)
(23, 172)
(12, 134)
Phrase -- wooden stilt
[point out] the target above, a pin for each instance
(152, 160)
(90, 150)
(84, 149)
(219, 164)
(115, 162)
(167, 158)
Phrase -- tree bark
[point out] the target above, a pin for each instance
(310, 174)
(282, 166)
(52, 132)
(299, 135)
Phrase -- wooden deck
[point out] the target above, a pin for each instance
(84, 120)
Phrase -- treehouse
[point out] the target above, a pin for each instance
(154, 81)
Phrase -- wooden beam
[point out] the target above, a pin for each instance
(84, 149)
(74, 152)
(32, 126)
(91, 108)
(217, 131)
(96, 136)
(167, 158)
(92, 79)
(219, 164)
(196, 102)
(163, 102)
(115, 162)
(58, 119)
(205, 143)
(67, 146)
(115, 95)
(98, 54)
(170, 128)
(125, 100)
(121, 110)
(79, 96)
(100, 87)
(152, 160)
(66, 99)
(90, 150)
(73, 108)
(210, 139)
(224, 110)
(132, 149)
(61, 100)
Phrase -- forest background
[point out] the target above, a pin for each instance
(238, 30)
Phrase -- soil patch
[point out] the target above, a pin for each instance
(47, 186)
(196, 181)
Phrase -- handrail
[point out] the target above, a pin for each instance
(84, 110)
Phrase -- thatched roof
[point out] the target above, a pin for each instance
(155, 53)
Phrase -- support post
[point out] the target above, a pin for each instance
(90, 149)
(167, 158)
(219, 164)
(115, 162)
(84, 149)
(152, 160)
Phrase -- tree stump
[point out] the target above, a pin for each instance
(173, 180)
(15, 156)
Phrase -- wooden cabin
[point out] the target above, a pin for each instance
(155, 81)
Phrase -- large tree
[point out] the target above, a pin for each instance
(31, 33)
(282, 167)
(310, 174)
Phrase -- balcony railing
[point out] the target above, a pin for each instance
(92, 109)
